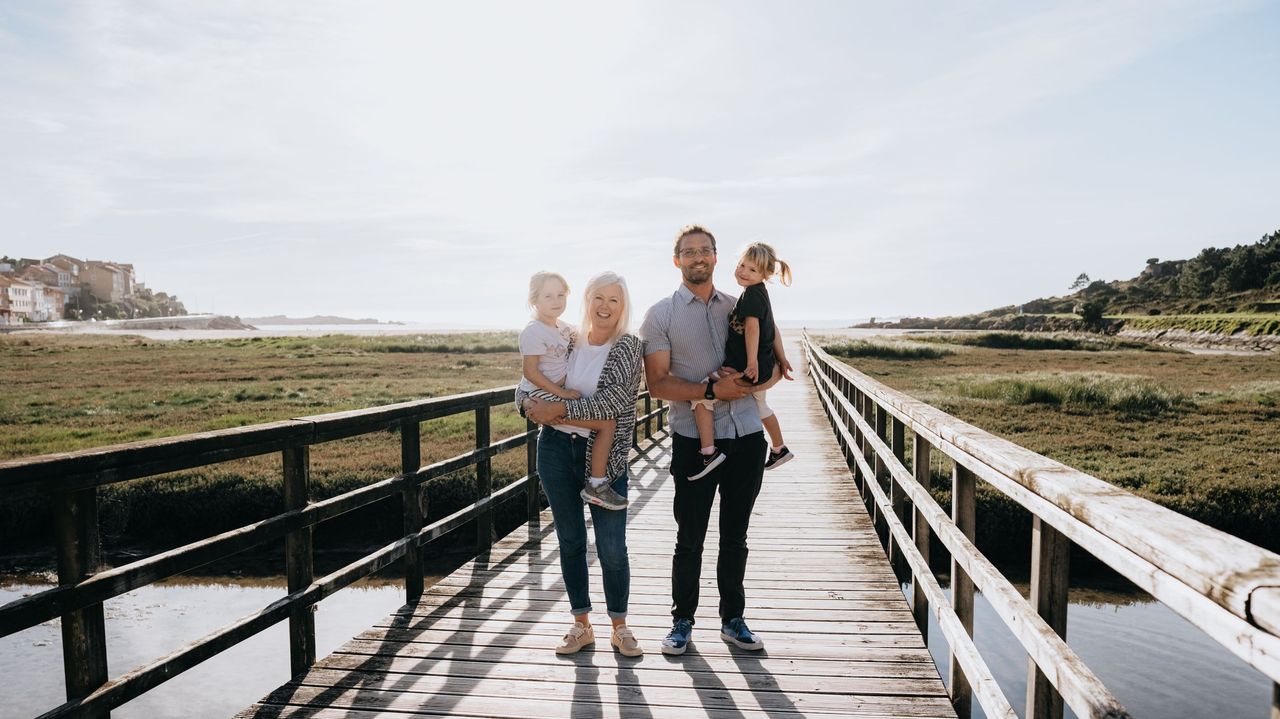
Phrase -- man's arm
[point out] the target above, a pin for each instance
(663, 385)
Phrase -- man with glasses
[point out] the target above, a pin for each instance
(684, 337)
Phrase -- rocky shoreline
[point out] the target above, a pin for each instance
(1171, 337)
(179, 322)
(1187, 339)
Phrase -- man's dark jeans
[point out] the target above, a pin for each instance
(738, 480)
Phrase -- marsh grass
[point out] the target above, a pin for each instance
(1211, 451)
(1127, 394)
(66, 393)
(1041, 341)
(886, 350)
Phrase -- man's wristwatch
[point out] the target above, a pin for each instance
(710, 392)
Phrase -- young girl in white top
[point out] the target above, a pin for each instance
(545, 344)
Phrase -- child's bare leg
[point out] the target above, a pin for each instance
(598, 490)
(773, 379)
(775, 431)
(705, 419)
(601, 443)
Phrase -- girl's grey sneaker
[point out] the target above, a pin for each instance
(735, 632)
(778, 458)
(678, 639)
(709, 462)
(603, 496)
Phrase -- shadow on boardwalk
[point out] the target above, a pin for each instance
(841, 640)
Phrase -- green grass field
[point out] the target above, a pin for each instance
(1196, 433)
(74, 392)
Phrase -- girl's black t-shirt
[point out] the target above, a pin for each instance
(754, 302)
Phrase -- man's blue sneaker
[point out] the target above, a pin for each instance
(735, 632)
(678, 639)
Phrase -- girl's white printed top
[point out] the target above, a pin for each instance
(551, 345)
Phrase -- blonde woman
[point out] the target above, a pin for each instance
(604, 367)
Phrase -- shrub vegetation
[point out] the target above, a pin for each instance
(1193, 432)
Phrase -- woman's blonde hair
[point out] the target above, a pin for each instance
(537, 282)
(766, 260)
(604, 279)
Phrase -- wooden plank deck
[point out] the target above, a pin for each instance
(839, 636)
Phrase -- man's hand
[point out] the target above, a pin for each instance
(731, 387)
(785, 366)
(544, 411)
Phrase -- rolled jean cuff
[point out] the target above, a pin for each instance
(579, 612)
(616, 615)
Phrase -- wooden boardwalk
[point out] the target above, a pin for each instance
(839, 636)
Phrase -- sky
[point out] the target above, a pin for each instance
(418, 161)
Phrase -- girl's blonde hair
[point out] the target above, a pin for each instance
(766, 260)
(604, 279)
(537, 282)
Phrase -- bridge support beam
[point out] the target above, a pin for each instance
(484, 482)
(299, 563)
(1050, 565)
(963, 513)
(533, 502)
(84, 634)
(897, 498)
(920, 462)
(412, 507)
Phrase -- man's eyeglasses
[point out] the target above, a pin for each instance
(690, 253)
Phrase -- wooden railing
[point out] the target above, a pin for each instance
(71, 481)
(1223, 585)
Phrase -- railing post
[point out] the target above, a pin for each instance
(298, 561)
(533, 503)
(920, 468)
(648, 421)
(1050, 565)
(411, 506)
(484, 482)
(963, 489)
(882, 422)
(897, 498)
(1275, 700)
(84, 634)
(869, 416)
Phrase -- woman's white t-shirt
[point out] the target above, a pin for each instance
(585, 364)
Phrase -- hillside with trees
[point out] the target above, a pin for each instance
(1239, 280)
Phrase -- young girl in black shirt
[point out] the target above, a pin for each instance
(754, 348)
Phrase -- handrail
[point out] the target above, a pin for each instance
(73, 478)
(1221, 584)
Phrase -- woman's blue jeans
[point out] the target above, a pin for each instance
(562, 467)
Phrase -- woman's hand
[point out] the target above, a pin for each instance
(786, 368)
(752, 371)
(543, 411)
(563, 393)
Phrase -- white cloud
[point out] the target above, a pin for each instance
(438, 154)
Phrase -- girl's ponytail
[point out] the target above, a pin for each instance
(784, 273)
